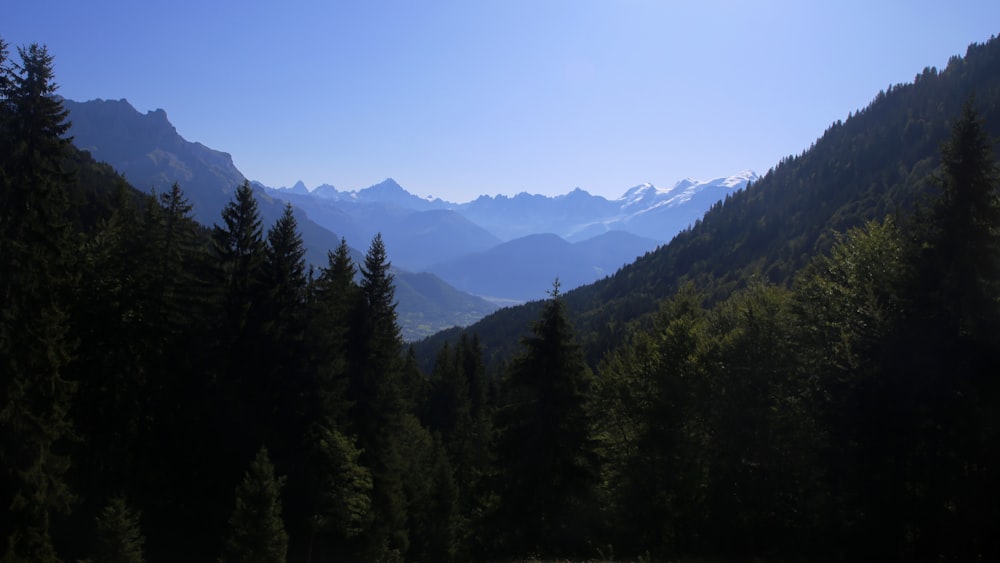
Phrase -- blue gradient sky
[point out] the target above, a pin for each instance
(460, 98)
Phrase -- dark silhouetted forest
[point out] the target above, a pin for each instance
(808, 373)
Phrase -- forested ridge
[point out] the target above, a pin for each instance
(807, 376)
(875, 163)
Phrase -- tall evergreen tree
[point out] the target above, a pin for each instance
(375, 371)
(939, 366)
(281, 315)
(241, 253)
(119, 537)
(239, 244)
(257, 532)
(961, 260)
(546, 452)
(332, 300)
(35, 343)
(341, 494)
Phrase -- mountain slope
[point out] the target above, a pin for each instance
(151, 154)
(148, 151)
(524, 268)
(422, 238)
(433, 235)
(875, 163)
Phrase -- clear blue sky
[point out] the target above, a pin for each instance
(459, 98)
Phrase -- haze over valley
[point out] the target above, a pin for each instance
(559, 281)
(475, 255)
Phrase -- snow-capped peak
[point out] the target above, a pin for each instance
(648, 196)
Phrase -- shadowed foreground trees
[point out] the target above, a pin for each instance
(36, 276)
(547, 466)
(850, 416)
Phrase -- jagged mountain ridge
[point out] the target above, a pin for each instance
(421, 234)
(525, 268)
(878, 163)
(151, 154)
(469, 245)
(644, 210)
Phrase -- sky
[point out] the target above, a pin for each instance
(455, 99)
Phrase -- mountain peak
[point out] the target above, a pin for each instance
(387, 185)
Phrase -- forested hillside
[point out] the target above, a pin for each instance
(875, 163)
(807, 374)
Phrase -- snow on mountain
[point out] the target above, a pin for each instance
(646, 197)
(645, 210)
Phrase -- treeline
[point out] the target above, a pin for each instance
(169, 392)
(874, 163)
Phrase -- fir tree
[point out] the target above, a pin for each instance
(257, 532)
(546, 451)
(333, 298)
(240, 250)
(35, 342)
(376, 393)
(239, 244)
(341, 490)
(119, 538)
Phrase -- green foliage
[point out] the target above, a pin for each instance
(341, 490)
(118, 536)
(546, 448)
(257, 532)
(654, 437)
(874, 164)
(808, 373)
(36, 261)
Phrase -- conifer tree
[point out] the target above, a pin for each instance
(257, 532)
(285, 271)
(375, 371)
(333, 298)
(962, 257)
(939, 367)
(35, 342)
(341, 490)
(180, 292)
(118, 349)
(239, 244)
(119, 537)
(546, 453)
(240, 252)
(281, 315)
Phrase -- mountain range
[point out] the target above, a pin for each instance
(492, 247)
(879, 162)
(454, 263)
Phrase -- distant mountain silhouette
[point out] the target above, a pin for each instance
(149, 152)
(876, 163)
(456, 240)
(524, 269)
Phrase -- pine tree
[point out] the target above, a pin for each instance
(119, 538)
(257, 532)
(333, 298)
(962, 256)
(939, 367)
(285, 271)
(240, 252)
(239, 245)
(35, 342)
(376, 393)
(281, 317)
(546, 451)
(341, 490)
